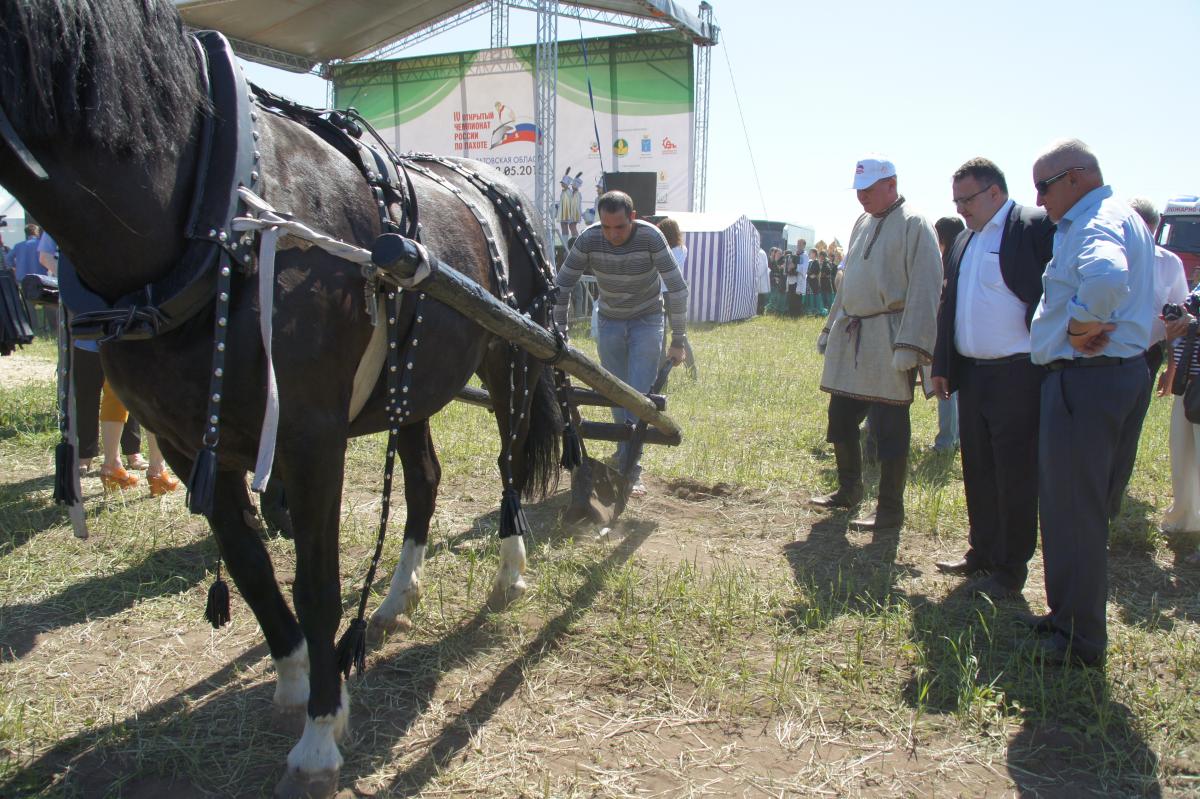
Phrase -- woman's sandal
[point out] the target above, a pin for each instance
(117, 477)
(161, 483)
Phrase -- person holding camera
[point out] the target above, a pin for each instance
(1181, 522)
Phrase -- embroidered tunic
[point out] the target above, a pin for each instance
(888, 300)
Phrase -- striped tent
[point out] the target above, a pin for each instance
(720, 265)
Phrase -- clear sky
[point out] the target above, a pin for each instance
(930, 84)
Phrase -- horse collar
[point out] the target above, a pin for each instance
(228, 159)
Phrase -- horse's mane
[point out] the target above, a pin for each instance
(115, 74)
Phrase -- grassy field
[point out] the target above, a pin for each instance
(724, 640)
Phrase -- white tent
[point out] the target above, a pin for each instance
(720, 265)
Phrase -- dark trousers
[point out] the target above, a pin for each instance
(889, 424)
(88, 377)
(998, 413)
(1090, 422)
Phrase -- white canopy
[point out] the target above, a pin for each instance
(299, 34)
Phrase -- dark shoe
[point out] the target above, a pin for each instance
(964, 567)
(850, 485)
(1041, 624)
(1057, 652)
(994, 590)
(889, 512)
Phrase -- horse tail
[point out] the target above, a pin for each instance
(542, 440)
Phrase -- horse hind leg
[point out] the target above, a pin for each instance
(422, 474)
(513, 379)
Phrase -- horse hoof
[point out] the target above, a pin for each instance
(503, 597)
(297, 784)
(381, 627)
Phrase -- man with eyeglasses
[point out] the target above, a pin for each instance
(1090, 332)
(881, 327)
(993, 284)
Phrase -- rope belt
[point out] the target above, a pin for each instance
(854, 328)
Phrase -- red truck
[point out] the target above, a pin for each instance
(1179, 232)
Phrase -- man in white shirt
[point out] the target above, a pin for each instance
(993, 284)
(1170, 283)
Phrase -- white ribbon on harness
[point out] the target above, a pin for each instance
(272, 226)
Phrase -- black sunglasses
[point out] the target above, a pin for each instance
(1043, 186)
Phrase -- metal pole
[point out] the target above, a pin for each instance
(545, 82)
(700, 126)
(499, 24)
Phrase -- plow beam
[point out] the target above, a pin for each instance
(405, 263)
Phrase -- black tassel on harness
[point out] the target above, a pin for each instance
(202, 483)
(352, 648)
(64, 481)
(572, 451)
(512, 517)
(217, 608)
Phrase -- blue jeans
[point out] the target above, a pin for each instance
(947, 437)
(631, 349)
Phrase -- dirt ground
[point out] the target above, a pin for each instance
(17, 369)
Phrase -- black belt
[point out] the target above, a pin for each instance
(1020, 356)
(1099, 360)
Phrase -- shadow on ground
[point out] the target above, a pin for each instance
(974, 660)
(230, 728)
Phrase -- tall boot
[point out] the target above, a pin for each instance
(889, 512)
(849, 472)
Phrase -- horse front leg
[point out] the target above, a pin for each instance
(248, 563)
(312, 464)
(422, 474)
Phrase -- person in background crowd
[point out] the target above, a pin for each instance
(802, 277)
(1181, 522)
(828, 269)
(814, 283)
(23, 260)
(994, 282)
(947, 229)
(674, 237)
(882, 325)
(1170, 285)
(762, 275)
(631, 262)
(777, 300)
(1090, 331)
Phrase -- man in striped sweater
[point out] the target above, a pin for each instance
(631, 262)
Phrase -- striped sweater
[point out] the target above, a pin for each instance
(629, 277)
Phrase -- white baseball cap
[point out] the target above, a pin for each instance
(872, 168)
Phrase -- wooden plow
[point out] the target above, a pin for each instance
(599, 492)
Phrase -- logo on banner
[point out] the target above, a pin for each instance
(669, 147)
(621, 147)
(647, 144)
(508, 130)
(594, 148)
(662, 176)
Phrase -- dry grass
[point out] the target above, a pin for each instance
(723, 641)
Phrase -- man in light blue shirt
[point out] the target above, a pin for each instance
(1090, 331)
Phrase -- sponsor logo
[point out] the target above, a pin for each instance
(621, 147)
(662, 176)
(858, 170)
(594, 148)
(669, 146)
(647, 144)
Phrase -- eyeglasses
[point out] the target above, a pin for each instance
(963, 202)
(1043, 186)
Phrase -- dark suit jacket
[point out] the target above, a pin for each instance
(1026, 245)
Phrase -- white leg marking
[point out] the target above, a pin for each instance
(317, 750)
(291, 680)
(510, 580)
(405, 590)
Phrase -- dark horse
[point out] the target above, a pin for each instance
(107, 95)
